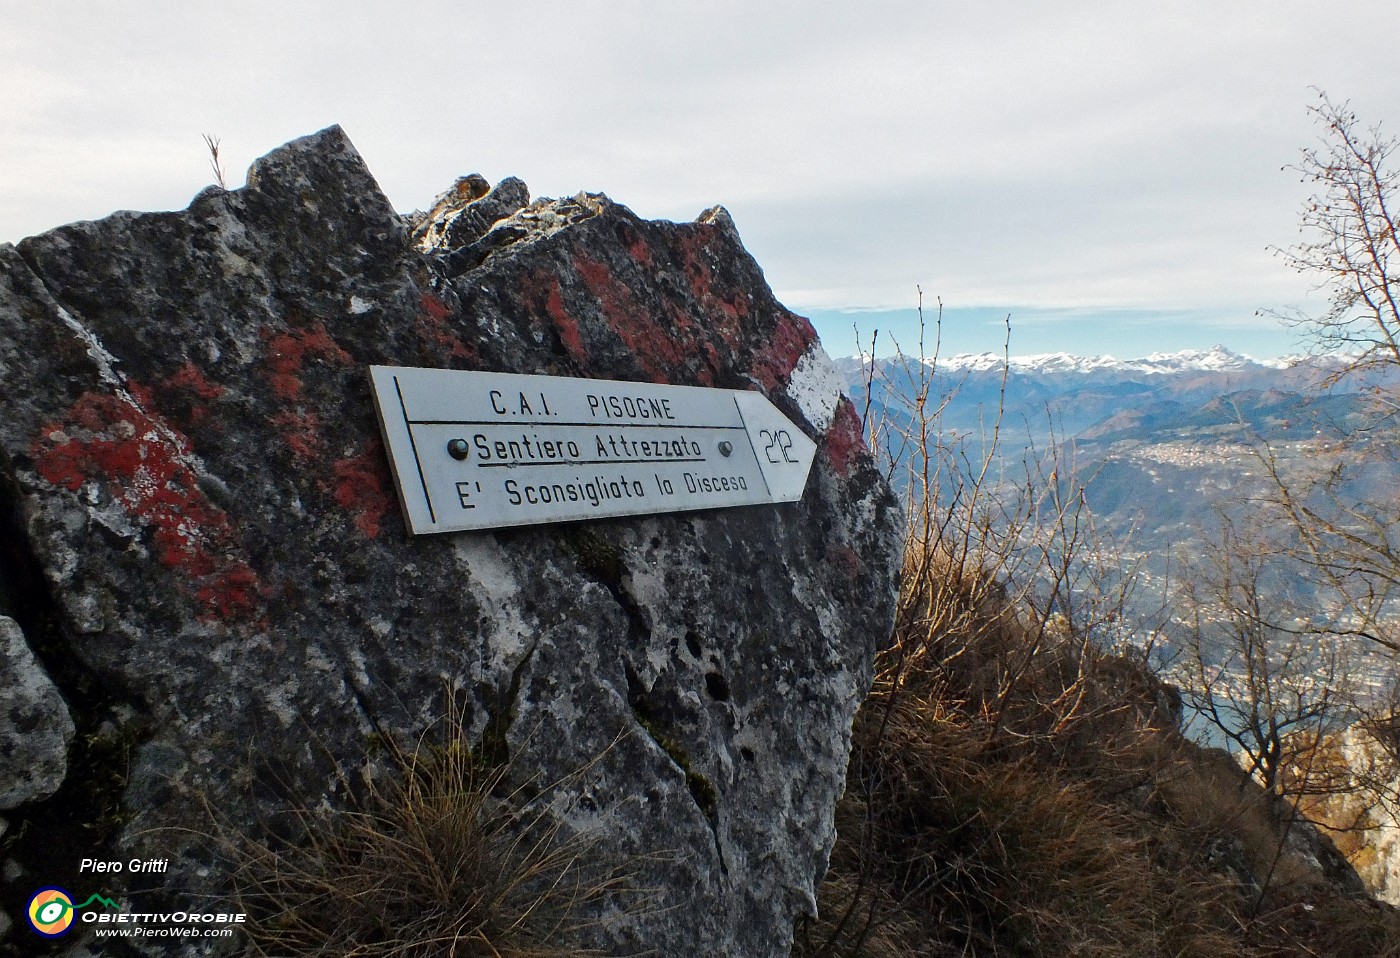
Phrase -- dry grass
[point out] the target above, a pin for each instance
(975, 821)
(442, 860)
(1068, 818)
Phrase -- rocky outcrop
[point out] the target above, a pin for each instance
(35, 727)
(1362, 814)
(191, 462)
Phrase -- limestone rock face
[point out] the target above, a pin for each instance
(189, 455)
(1365, 824)
(35, 727)
(466, 213)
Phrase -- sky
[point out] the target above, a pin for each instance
(1110, 176)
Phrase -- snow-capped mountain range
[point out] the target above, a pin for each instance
(1161, 447)
(1214, 359)
(1070, 395)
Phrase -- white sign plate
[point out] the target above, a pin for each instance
(474, 450)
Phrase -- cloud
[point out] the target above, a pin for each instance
(1094, 154)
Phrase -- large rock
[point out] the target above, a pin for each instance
(35, 727)
(187, 425)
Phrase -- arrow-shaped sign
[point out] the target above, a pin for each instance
(474, 450)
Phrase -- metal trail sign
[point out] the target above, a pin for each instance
(473, 450)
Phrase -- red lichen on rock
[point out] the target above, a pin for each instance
(774, 363)
(358, 483)
(726, 311)
(845, 440)
(112, 446)
(690, 243)
(434, 329)
(655, 348)
(180, 397)
(300, 431)
(230, 593)
(287, 352)
(433, 306)
(189, 378)
(361, 484)
(640, 251)
(569, 333)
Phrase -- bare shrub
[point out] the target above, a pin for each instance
(1349, 242)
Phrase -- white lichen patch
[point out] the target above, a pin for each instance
(281, 701)
(105, 361)
(496, 587)
(816, 387)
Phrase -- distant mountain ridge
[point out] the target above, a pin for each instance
(1064, 396)
(1162, 446)
(1215, 359)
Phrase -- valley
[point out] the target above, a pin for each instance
(1164, 459)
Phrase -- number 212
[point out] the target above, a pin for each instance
(778, 441)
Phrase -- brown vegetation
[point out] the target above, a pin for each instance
(436, 856)
(1068, 817)
(1019, 783)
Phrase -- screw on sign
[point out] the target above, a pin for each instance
(473, 450)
